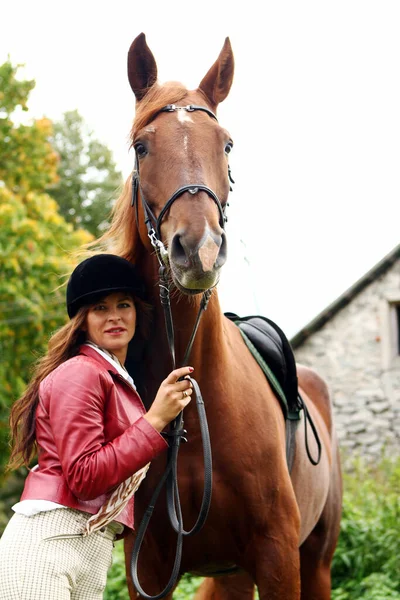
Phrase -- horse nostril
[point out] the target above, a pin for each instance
(178, 253)
(211, 254)
(222, 254)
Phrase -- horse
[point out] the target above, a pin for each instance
(267, 528)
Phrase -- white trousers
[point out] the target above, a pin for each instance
(45, 557)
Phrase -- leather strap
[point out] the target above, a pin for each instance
(188, 108)
(170, 478)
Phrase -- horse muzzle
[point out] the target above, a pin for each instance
(195, 265)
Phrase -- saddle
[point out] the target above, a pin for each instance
(273, 352)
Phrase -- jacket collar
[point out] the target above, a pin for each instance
(91, 352)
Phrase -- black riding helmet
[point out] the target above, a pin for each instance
(101, 275)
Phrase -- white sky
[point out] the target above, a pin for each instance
(314, 112)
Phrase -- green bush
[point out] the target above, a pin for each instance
(116, 588)
(366, 564)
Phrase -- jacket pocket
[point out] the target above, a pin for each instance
(74, 529)
(63, 536)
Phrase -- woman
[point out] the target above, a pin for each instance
(94, 440)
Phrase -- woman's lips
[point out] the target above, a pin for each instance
(115, 331)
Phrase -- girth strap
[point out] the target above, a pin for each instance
(293, 417)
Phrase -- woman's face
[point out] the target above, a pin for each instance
(111, 323)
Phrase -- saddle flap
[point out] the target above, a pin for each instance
(268, 343)
(274, 348)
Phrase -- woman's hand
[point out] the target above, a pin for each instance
(171, 399)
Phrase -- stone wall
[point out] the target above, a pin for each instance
(355, 352)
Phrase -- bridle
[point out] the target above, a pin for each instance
(177, 432)
(153, 224)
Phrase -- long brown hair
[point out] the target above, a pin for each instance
(63, 344)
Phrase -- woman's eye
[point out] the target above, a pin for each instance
(99, 307)
(124, 305)
(228, 147)
(140, 150)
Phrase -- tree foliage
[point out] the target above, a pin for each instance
(27, 160)
(87, 175)
(36, 244)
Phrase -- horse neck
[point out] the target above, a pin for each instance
(184, 313)
(184, 310)
(208, 337)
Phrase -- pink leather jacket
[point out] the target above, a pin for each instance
(91, 435)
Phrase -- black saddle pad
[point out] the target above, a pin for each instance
(275, 349)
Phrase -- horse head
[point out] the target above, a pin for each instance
(181, 183)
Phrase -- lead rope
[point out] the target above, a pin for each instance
(176, 436)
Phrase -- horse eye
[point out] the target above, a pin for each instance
(228, 147)
(140, 150)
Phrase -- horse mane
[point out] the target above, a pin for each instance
(122, 236)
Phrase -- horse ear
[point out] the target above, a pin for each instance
(142, 67)
(217, 83)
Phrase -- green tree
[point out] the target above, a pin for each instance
(36, 245)
(27, 160)
(87, 175)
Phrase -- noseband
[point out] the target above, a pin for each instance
(153, 224)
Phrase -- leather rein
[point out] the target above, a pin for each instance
(176, 433)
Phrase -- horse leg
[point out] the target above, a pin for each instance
(239, 586)
(278, 576)
(317, 550)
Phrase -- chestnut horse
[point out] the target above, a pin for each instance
(266, 527)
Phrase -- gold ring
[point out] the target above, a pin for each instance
(184, 394)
